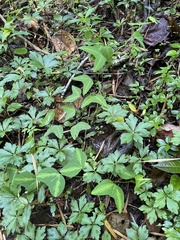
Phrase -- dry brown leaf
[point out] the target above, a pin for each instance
(167, 131)
(156, 32)
(77, 103)
(170, 127)
(59, 114)
(34, 25)
(64, 41)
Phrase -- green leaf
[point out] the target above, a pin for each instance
(86, 81)
(48, 118)
(107, 52)
(169, 166)
(175, 181)
(56, 129)
(139, 37)
(74, 96)
(73, 167)
(172, 205)
(27, 180)
(13, 107)
(37, 60)
(107, 187)
(77, 128)
(20, 51)
(176, 137)
(49, 61)
(94, 99)
(99, 58)
(70, 111)
(128, 172)
(54, 180)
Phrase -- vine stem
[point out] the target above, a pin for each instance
(69, 82)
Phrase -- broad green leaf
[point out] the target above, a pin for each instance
(49, 61)
(37, 59)
(14, 106)
(169, 166)
(99, 58)
(128, 173)
(175, 45)
(27, 180)
(94, 99)
(107, 52)
(176, 138)
(53, 179)
(56, 129)
(107, 187)
(20, 51)
(48, 118)
(75, 165)
(77, 128)
(70, 111)
(74, 96)
(175, 181)
(86, 81)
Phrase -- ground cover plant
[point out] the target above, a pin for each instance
(89, 120)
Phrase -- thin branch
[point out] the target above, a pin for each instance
(68, 83)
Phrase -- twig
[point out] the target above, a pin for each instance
(68, 83)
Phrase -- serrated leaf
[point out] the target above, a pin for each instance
(169, 166)
(77, 128)
(107, 187)
(53, 179)
(94, 99)
(76, 93)
(26, 179)
(37, 59)
(86, 81)
(48, 118)
(75, 165)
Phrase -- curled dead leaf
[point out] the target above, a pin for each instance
(156, 32)
(64, 41)
(33, 24)
(59, 114)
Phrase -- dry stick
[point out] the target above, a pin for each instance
(68, 83)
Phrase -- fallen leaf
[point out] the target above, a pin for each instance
(59, 113)
(64, 41)
(156, 32)
(33, 24)
(167, 130)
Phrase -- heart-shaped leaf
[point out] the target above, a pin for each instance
(99, 58)
(75, 165)
(77, 128)
(86, 81)
(27, 180)
(75, 95)
(107, 187)
(94, 99)
(53, 179)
